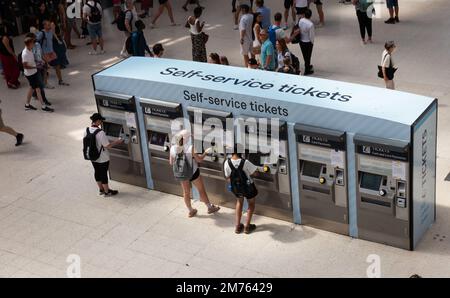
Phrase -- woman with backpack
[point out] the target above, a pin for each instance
(185, 161)
(238, 172)
(9, 60)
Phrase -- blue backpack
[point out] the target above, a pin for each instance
(273, 34)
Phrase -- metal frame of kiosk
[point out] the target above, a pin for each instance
(383, 191)
(322, 165)
(119, 110)
(211, 169)
(272, 179)
(158, 116)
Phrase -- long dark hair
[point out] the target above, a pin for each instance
(255, 17)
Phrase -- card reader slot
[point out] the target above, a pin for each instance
(375, 202)
(316, 189)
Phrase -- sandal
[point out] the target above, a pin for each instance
(239, 229)
(213, 209)
(192, 213)
(62, 83)
(250, 228)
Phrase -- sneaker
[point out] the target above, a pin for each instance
(30, 107)
(390, 21)
(47, 109)
(62, 83)
(397, 20)
(19, 139)
(48, 86)
(101, 192)
(174, 24)
(47, 103)
(111, 192)
(250, 228)
(92, 53)
(213, 209)
(101, 52)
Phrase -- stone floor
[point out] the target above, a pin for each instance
(48, 203)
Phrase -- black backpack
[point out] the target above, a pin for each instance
(19, 62)
(90, 150)
(96, 15)
(121, 20)
(241, 185)
(129, 45)
(182, 169)
(295, 63)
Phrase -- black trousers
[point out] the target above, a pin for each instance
(101, 171)
(307, 48)
(365, 23)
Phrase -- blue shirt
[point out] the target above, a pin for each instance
(267, 49)
(265, 12)
(46, 42)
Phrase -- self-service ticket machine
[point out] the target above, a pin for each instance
(212, 124)
(322, 178)
(158, 118)
(121, 122)
(273, 175)
(383, 191)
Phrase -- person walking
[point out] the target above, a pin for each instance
(71, 24)
(32, 75)
(265, 12)
(140, 46)
(238, 172)
(198, 37)
(364, 14)
(45, 38)
(307, 35)
(130, 18)
(275, 31)
(288, 7)
(300, 7)
(167, 5)
(268, 58)
(92, 14)
(95, 133)
(319, 7)
(185, 161)
(191, 2)
(146, 7)
(6, 129)
(246, 33)
(237, 10)
(8, 59)
(387, 65)
(392, 5)
(117, 8)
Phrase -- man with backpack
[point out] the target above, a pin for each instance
(125, 23)
(238, 173)
(92, 13)
(136, 43)
(95, 149)
(275, 31)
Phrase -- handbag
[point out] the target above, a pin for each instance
(49, 57)
(295, 37)
(390, 71)
(205, 37)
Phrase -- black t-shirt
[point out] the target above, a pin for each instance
(3, 49)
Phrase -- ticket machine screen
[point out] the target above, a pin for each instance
(371, 181)
(112, 129)
(157, 138)
(312, 169)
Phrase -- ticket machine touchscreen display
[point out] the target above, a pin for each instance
(112, 129)
(371, 181)
(312, 169)
(157, 138)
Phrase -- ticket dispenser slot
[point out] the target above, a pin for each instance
(212, 126)
(322, 178)
(119, 110)
(160, 119)
(382, 191)
(272, 179)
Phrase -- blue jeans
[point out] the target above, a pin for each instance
(95, 30)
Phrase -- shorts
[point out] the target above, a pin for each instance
(288, 3)
(117, 2)
(195, 176)
(161, 2)
(101, 171)
(301, 10)
(391, 3)
(318, 2)
(34, 80)
(1, 120)
(247, 47)
(95, 30)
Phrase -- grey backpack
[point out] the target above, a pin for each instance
(182, 169)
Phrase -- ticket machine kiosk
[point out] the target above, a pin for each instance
(273, 175)
(383, 191)
(158, 118)
(322, 178)
(119, 110)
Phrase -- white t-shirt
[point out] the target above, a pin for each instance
(246, 23)
(307, 30)
(301, 3)
(386, 59)
(87, 9)
(175, 149)
(248, 168)
(102, 140)
(28, 57)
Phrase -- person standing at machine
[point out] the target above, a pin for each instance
(238, 173)
(185, 161)
(95, 134)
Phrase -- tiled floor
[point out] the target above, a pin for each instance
(49, 208)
